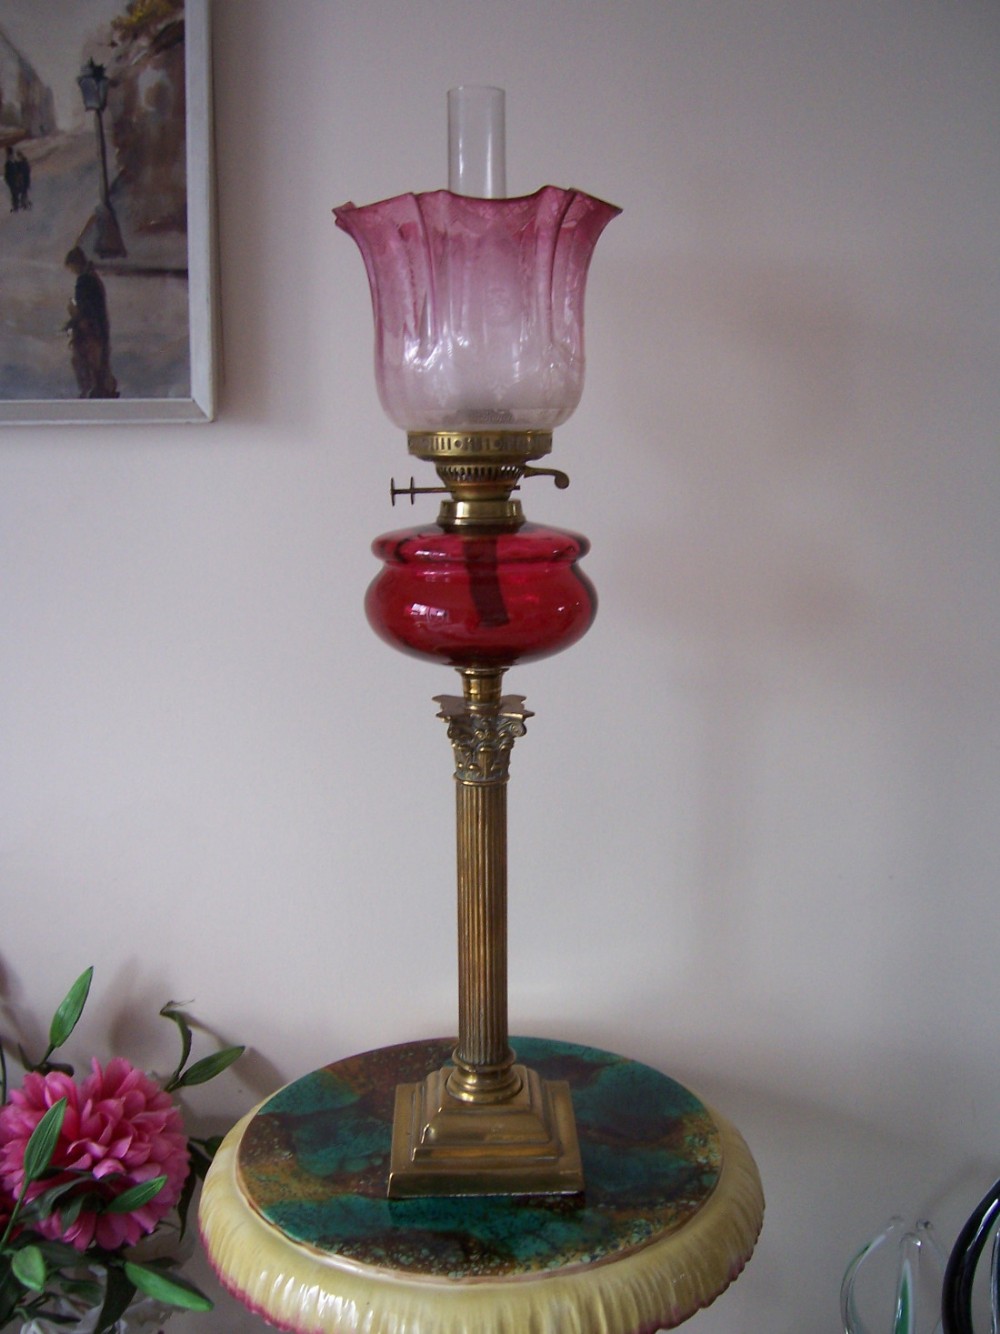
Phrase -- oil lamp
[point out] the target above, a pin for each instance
(478, 306)
(440, 1187)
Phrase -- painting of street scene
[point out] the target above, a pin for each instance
(94, 271)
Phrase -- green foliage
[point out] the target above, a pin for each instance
(145, 18)
(38, 1276)
(29, 1267)
(207, 1068)
(157, 1283)
(137, 1196)
(118, 1293)
(67, 1016)
(43, 1141)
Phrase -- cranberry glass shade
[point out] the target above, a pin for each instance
(478, 305)
(483, 600)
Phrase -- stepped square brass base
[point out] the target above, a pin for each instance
(525, 1145)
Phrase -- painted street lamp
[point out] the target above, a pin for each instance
(94, 84)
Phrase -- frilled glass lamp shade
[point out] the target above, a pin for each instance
(478, 305)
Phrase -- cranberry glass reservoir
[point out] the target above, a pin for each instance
(481, 599)
(478, 305)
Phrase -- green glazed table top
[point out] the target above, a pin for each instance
(314, 1159)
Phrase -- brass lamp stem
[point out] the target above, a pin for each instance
(482, 727)
(483, 1125)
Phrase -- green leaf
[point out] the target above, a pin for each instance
(59, 1254)
(30, 1268)
(65, 1018)
(200, 1161)
(202, 1153)
(42, 1205)
(88, 1292)
(170, 1011)
(184, 1201)
(12, 1294)
(167, 1287)
(42, 1144)
(136, 1196)
(76, 1206)
(117, 1295)
(208, 1067)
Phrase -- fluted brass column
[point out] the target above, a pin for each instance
(482, 728)
(483, 1125)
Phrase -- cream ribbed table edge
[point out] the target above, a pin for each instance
(658, 1286)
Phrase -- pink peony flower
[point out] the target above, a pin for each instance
(120, 1127)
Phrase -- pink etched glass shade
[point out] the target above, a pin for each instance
(478, 305)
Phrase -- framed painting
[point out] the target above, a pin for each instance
(107, 301)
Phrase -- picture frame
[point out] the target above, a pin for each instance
(146, 249)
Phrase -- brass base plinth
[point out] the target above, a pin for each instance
(524, 1145)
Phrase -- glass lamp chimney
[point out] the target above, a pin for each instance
(477, 149)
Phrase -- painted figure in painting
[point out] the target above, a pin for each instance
(17, 175)
(22, 182)
(10, 178)
(89, 330)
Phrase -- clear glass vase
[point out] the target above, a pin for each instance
(893, 1285)
(144, 1316)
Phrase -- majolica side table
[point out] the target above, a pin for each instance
(296, 1221)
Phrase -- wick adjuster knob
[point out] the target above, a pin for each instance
(560, 478)
(412, 490)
